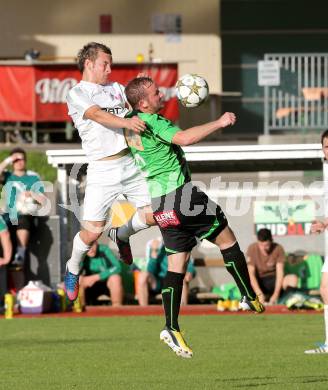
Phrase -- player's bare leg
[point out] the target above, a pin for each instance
(115, 287)
(23, 237)
(185, 290)
(323, 348)
(143, 281)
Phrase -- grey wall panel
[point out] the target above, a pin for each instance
(45, 252)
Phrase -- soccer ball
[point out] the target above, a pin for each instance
(192, 90)
(26, 205)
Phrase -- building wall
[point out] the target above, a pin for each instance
(59, 29)
(194, 53)
(20, 21)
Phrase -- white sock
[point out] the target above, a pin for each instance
(78, 252)
(134, 225)
(326, 322)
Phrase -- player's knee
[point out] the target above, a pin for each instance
(226, 238)
(90, 237)
(324, 293)
(150, 219)
(290, 280)
(188, 277)
(143, 278)
(114, 280)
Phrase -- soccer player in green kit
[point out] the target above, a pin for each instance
(181, 210)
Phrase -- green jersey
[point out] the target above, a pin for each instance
(104, 263)
(3, 225)
(308, 271)
(162, 163)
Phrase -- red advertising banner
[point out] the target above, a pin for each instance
(37, 93)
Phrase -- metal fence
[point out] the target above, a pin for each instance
(300, 102)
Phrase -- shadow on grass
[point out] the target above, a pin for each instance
(270, 380)
(62, 342)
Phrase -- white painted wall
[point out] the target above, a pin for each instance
(82, 16)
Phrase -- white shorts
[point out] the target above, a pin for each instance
(106, 180)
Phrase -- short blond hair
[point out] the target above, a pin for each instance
(136, 90)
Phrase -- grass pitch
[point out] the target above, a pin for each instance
(230, 352)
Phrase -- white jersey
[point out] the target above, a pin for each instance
(98, 141)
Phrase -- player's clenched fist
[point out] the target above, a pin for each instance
(227, 119)
(135, 124)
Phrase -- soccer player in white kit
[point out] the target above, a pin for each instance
(97, 108)
(319, 227)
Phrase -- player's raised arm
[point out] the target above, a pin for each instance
(6, 247)
(195, 134)
(3, 165)
(107, 119)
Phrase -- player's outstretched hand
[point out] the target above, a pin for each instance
(135, 124)
(317, 227)
(227, 119)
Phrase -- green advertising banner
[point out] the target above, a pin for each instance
(284, 218)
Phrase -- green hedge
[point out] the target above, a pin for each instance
(37, 162)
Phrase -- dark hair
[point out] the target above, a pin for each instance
(264, 235)
(324, 135)
(90, 52)
(136, 90)
(18, 150)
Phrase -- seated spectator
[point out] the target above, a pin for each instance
(5, 257)
(295, 270)
(24, 191)
(101, 274)
(156, 269)
(265, 261)
(303, 271)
